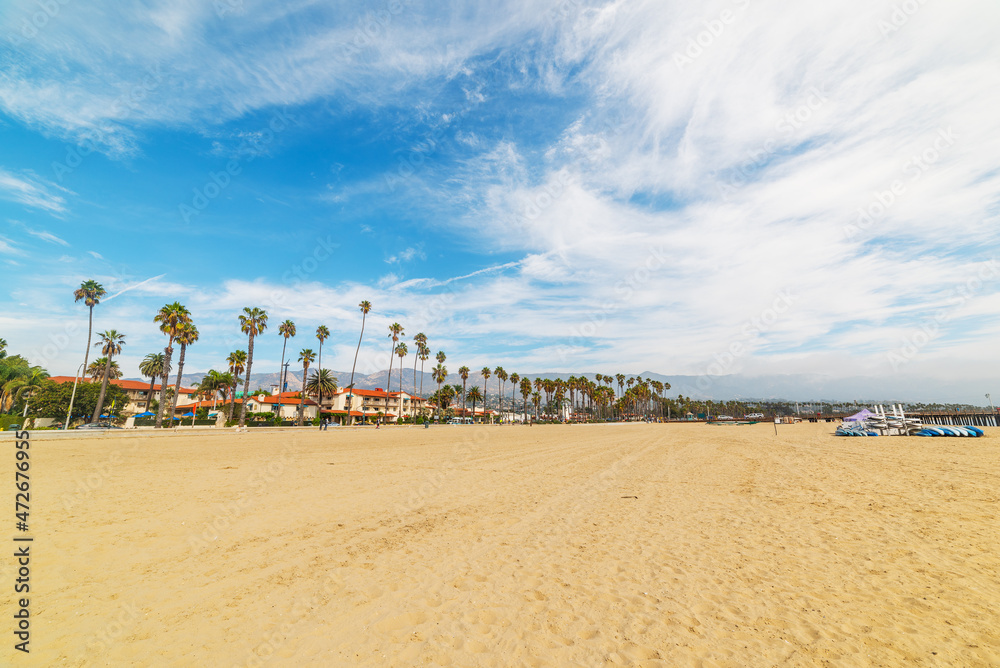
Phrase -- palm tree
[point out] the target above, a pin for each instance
(322, 333)
(111, 344)
(237, 361)
(171, 318)
(3, 348)
(365, 307)
(514, 380)
(323, 382)
(96, 369)
(424, 352)
(91, 292)
(401, 351)
(188, 335)
(253, 321)
(439, 373)
(307, 357)
(286, 329)
(475, 395)
(501, 376)
(463, 373)
(151, 366)
(395, 331)
(25, 385)
(485, 372)
(525, 391)
(421, 340)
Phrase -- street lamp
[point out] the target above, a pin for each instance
(73, 397)
(993, 410)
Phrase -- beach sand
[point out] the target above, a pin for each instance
(581, 545)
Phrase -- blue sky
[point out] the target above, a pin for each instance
(688, 188)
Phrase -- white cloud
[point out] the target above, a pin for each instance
(32, 191)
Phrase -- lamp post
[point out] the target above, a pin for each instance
(73, 397)
(992, 410)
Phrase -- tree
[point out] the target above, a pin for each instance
(13, 370)
(287, 330)
(323, 382)
(51, 400)
(96, 369)
(420, 340)
(307, 357)
(24, 386)
(439, 373)
(171, 318)
(253, 321)
(424, 352)
(525, 391)
(111, 344)
(485, 371)
(401, 351)
(501, 376)
(365, 307)
(475, 395)
(395, 331)
(514, 380)
(151, 367)
(463, 373)
(322, 333)
(3, 348)
(187, 335)
(237, 361)
(91, 292)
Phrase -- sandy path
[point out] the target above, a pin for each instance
(646, 545)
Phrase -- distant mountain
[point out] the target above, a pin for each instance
(792, 387)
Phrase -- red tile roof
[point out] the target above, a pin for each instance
(124, 384)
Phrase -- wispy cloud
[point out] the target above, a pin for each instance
(47, 236)
(32, 191)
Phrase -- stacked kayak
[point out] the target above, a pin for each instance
(858, 429)
(950, 430)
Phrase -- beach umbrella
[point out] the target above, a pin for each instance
(146, 414)
(188, 415)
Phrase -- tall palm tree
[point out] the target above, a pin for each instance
(307, 357)
(253, 321)
(365, 307)
(514, 380)
(3, 348)
(96, 369)
(151, 366)
(424, 353)
(463, 372)
(525, 391)
(401, 351)
(187, 336)
(485, 372)
(111, 344)
(439, 373)
(395, 331)
(237, 361)
(91, 292)
(421, 340)
(475, 395)
(322, 333)
(171, 318)
(501, 377)
(286, 329)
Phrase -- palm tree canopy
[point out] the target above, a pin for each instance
(440, 357)
(237, 361)
(365, 306)
(111, 342)
(96, 369)
(324, 380)
(171, 317)
(307, 356)
(402, 350)
(322, 333)
(463, 372)
(91, 292)
(151, 365)
(475, 395)
(287, 329)
(253, 321)
(187, 333)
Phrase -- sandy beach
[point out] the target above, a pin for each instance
(583, 545)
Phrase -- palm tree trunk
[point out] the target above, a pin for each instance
(302, 394)
(232, 402)
(177, 388)
(168, 353)
(349, 419)
(149, 393)
(319, 385)
(246, 383)
(90, 331)
(388, 378)
(104, 387)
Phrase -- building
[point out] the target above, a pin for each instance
(369, 405)
(138, 401)
(286, 405)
